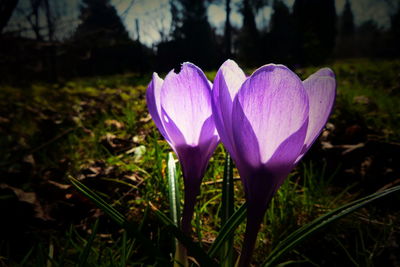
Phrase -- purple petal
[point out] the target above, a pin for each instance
(274, 102)
(153, 102)
(193, 168)
(321, 91)
(194, 159)
(209, 138)
(227, 83)
(232, 75)
(176, 137)
(285, 156)
(186, 100)
(245, 140)
(324, 72)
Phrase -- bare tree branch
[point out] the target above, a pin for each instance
(126, 11)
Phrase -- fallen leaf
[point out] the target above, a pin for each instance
(61, 186)
(145, 119)
(114, 123)
(361, 99)
(31, 198)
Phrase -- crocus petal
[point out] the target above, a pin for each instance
(209, 138)
(232, 75)
(227, 83)
(245, 140)
(186, 98)
(321, 91)
(324, 72)
(284, 158)
(153, 102)
(194, 160)
(275, 104)
(175, 136)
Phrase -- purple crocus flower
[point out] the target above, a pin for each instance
(181, 109)
(267, 122)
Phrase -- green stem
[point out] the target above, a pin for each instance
(181, 258)
(226, 256)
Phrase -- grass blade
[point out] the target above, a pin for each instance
(227, 209)
(86, 251)
(104, 206)
(191, 246)
(180, 257)
(173, 190)
(26, 257)
(304, 232)
(120, 219)
(228, 230)
(123, 250)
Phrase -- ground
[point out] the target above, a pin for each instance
(98, 131)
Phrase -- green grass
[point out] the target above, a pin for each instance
(368, 95)
(99, 130)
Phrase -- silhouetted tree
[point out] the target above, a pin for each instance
(100, 22)
(369, 40)
(228, 30)
(33, 17)
(7, 8)
(102, 43)
(176, 19)
(395, 31)
(281, 33)
(193, 38)
(249, 37)
(347, 20)
(33, 32)
(44, 20)
(345, 45)
(315, 22)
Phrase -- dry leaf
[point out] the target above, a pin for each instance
(31, 198)
(114, 123)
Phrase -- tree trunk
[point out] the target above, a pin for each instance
(228, 30)
(6, 10)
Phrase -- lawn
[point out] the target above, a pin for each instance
(98, 131)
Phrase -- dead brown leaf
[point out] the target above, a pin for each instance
(31, 198)
(114, 123)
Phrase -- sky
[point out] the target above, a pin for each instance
(154, 16)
